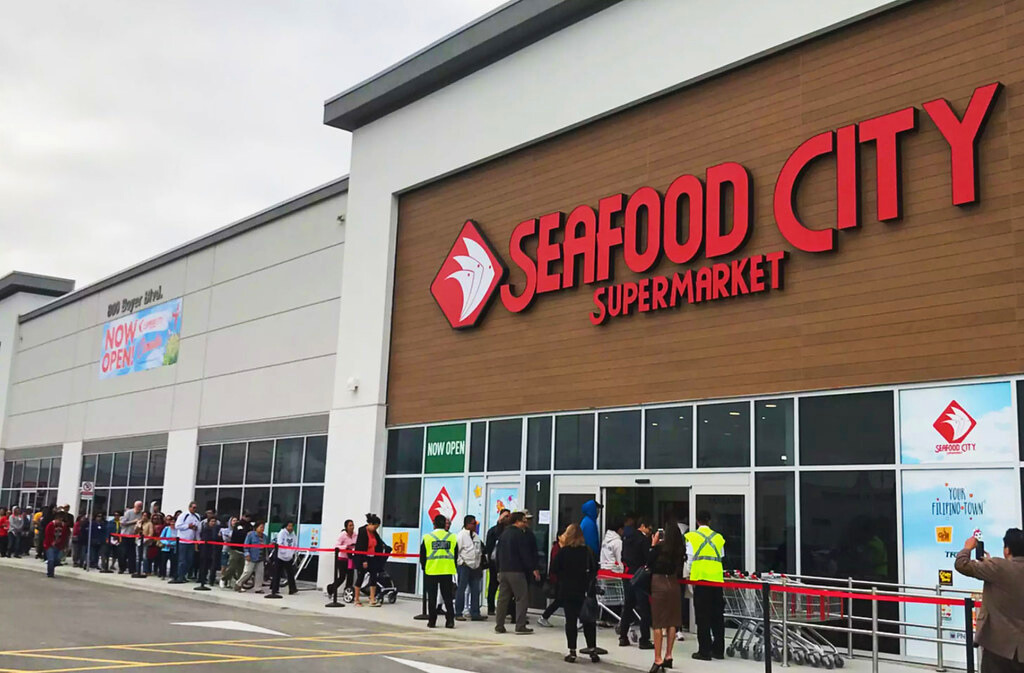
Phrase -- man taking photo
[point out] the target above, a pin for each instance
(1001, 618)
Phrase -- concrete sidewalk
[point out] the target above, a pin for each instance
(401, 615)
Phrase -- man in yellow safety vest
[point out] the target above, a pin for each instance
(437, 557)
(705, 549)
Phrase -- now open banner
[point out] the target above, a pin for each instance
(143, 340)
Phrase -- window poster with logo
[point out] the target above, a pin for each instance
(941, 509)
(476, 502)
(143, 340)
(446, 449)
(442, 495)
(957, 424)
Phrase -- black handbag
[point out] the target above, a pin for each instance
(641, 580)
(590, 611)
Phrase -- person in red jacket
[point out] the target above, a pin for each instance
(55, 538)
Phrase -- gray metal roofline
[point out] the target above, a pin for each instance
(490, 38)
(296, 203)
(34, 283)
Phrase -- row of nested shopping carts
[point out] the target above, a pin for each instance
(792, 618)
(745, 608)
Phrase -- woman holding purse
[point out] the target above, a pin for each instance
(576, 569)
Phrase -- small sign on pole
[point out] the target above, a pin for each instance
(88, 489)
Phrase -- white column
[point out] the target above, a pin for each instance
(2, 452)
(180, 470)
(70, 475)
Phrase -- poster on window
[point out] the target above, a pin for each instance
(941, 509)
(142, 340)
(957, 424)
(476, 502)
(446, 496)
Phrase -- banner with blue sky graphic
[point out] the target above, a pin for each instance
(958, 424)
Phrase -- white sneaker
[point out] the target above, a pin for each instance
(545, 623)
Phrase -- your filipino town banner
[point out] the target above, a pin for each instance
(142, 340)
(941, 509)
(953, 425)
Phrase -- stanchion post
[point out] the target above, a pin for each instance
(766, 611)
(423, 616)
(969, 632)
(940, 664)
(337, 580)
(849, 619)
(275, 581)
(874, 631)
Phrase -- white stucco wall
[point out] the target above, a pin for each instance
(259, 328)
(631, 51)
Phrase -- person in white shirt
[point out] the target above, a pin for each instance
(286, 537)
(469, 564)
(187, 526)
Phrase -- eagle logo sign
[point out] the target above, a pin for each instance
(954, 424)
(443, 505)
(468, 278)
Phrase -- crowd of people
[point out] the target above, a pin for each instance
(181, 547)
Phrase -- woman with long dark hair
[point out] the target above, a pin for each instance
(369, 543)
(346, 543)
(665, 561)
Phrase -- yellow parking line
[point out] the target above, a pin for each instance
(288, 649)
(333, 655)
(58, 656)
(145, 648)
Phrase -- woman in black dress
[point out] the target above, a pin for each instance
(576, 569)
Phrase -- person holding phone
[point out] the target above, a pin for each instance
(1001, 617)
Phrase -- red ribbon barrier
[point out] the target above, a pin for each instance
(237, 545)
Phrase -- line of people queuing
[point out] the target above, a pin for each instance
(151, 543)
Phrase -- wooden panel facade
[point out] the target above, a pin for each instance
(935, 296)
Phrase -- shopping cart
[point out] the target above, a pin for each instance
(744, 606)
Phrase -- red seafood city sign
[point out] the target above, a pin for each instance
(688, 221)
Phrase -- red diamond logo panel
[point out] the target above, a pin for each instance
(468, 278)
(954, 424)
(443, 505)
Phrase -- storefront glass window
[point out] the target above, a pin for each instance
(18, 474)
(285, 506)
(773, 432)
(157, 463)
(88, 471)
(477, 447)
(232, 464)
(31, 477)
(229, 503)
(723, 435)
(775, 522)
(574, 442)
(288, 461)
(8, 475)
(505, 445)
(139, 468)
(119, 476)
(312, 505)
(259, 461)
(538, 498)
(315, 467)
(55, 472)
(538, 443)
(104, 467)
(847, 429)
(618, 440)
(208, 465)
(405, 451)
(257, 501)
(848, 524)
(206, 498)
(401, 503)
(1020, 418)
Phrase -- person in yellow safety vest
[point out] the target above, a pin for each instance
(705, 550)
(437, 558)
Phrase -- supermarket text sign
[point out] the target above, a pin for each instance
(144, 340)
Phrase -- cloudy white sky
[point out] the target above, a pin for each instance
(130, 126)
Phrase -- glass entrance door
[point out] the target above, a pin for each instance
(731, 515)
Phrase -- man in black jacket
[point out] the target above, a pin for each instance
(489, 546)
(516, 562)
(635, 544)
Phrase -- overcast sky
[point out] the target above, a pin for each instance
(130, 126)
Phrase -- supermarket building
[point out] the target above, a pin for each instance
(759, 258)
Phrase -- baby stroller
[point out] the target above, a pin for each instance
(386, 589)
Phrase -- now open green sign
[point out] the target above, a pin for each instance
(446, 448)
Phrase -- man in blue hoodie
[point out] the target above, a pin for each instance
(591, 508)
